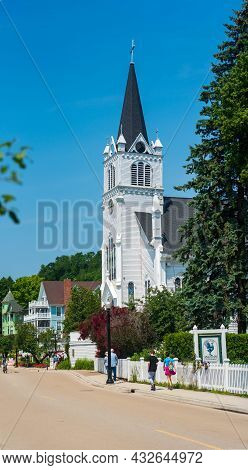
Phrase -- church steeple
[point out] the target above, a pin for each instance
(132, 119)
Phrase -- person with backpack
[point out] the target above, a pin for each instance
(152, 368)
(169, 369)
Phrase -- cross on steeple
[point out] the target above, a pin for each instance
(132, 52)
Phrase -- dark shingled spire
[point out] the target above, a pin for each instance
(132, 118)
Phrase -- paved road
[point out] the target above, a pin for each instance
(56, 410)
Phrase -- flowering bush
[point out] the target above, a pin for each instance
(130, 331)
(39, 366)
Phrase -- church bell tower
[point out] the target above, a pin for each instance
(132, 204)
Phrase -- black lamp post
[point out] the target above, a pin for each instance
(108, 311)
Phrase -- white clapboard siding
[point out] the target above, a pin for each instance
(223, 377)
(80, 349)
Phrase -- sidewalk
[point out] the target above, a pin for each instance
(210, 400)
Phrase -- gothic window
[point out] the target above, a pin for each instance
(111, 259)
(130, 292)
(147, 175)
(140, 174)
(111, 177)
(147, 286)
(177, 283)
(134, 174)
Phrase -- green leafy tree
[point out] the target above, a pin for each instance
(10, 162)
(215, 248)
(40, 345)
(26, 289)
(6, 284)
(6, 344)
(82, 303)
(166, 311)
(78, 267)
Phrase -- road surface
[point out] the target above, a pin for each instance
(56, 410)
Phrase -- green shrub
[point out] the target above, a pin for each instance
(237, 347)
(180, 345)
(64, 365)
(84, 364)
(145, 354)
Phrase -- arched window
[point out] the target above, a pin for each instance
(147, 175)
(130, 291)
(111, 259)
(140, 174)
(134, 174)
(177, 283)
(111, 177)
(147, 286)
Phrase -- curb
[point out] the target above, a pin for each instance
(187, 401)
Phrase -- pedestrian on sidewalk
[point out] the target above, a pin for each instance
(114, 363)
(105, 361)
(169, 369)
(152, 368)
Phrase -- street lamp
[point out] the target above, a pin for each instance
(108, 310)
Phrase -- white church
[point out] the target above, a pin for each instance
(140, 224)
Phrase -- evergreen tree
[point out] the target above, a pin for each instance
(215, 249)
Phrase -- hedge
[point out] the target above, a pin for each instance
(84, 364)
(180, 345)
(64, 364)
(237, 348)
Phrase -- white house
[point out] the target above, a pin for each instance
(140, 224)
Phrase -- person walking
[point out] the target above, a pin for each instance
(169, 369)
(5, 365)
(106, 362)
(114, 363)
(152, 368)
(55, 361)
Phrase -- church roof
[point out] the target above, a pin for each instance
(10, 299)
(132, 121)
(176, 212)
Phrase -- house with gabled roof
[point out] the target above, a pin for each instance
(48, 311)
(12, 313)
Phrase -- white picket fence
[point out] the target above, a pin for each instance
(224, 377)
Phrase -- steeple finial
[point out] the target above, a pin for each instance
(132, 52)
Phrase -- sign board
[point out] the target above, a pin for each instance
(210, 348)
(210, 345)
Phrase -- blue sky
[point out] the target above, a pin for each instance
(81, 49)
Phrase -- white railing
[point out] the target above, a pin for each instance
(224, 377)
(38, 303)
(37, 316)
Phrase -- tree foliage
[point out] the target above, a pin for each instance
(166, 311)
(6, 284)
(6, 344)
(30, 341)
(83, 303)
(26, 289)
(215, 249)
(131, 331)
(10, 162)
(78, 267)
